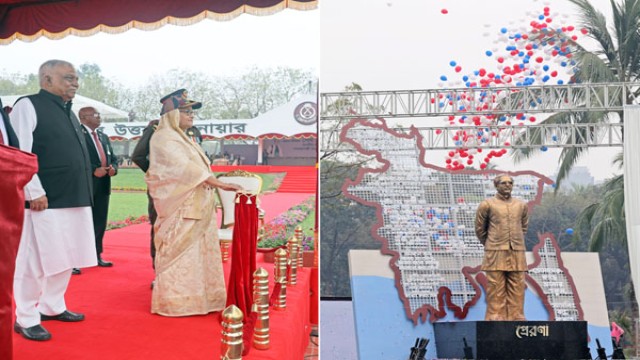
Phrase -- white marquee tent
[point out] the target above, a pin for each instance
(296, 119)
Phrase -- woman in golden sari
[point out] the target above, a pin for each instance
(189, 276)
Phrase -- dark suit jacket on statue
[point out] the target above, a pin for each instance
(102, 185)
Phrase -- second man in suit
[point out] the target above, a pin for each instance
(104, 165)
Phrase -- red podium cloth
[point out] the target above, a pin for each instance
(243, 259)
(17, 168)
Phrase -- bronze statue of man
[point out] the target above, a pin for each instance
(501, 224)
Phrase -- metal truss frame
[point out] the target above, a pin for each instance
(338, 108)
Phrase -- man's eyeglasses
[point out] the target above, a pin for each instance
(188, 112)
(94, 115)
(506, 183)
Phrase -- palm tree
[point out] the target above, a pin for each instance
(606, 219)
(616, 58)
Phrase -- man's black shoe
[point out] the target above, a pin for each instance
(103, 263)
(76, 271)
(66, 316)
(36, 332)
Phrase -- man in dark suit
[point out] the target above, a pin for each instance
(104, 164)
(140, 157)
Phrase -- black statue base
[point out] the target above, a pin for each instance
(512, 340)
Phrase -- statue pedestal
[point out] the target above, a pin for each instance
(512, 340)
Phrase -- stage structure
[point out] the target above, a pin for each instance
(425, 213)
(340, 107)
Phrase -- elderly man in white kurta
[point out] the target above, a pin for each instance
(58, 228)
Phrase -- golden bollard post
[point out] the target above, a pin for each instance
(292, 247)
(299, 235)
(261, 308)
(231, 348)
(280, 276)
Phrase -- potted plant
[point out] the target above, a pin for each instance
(277, 232)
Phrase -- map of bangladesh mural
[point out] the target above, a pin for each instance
(426, 222)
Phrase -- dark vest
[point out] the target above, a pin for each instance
(64, 169)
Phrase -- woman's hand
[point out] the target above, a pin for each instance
(231, 187)
(213, 181)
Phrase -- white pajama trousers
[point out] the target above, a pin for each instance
(45, 260)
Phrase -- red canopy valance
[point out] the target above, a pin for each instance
(27, 20)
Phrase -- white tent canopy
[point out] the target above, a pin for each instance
(298, 118)
(107, 112)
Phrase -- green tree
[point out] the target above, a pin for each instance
(345, 225)
(95, 86)
(224, 97)
(614, 58)
(19, 84)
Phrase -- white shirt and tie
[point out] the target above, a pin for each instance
(98, 146)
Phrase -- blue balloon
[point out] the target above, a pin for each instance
(503, 30)
(569, 231)
(554, 138)
(465, 78)
(443, 78)
(488, 53)
(452, 63)
(544, 148)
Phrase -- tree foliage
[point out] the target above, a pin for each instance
(614, 57)
(345, 225)
(247, 95)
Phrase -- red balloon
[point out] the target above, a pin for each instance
(444, 11)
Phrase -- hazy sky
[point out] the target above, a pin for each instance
(408, 44)
(288, 38)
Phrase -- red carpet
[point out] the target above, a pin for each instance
(118, 325)
(299, 179)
